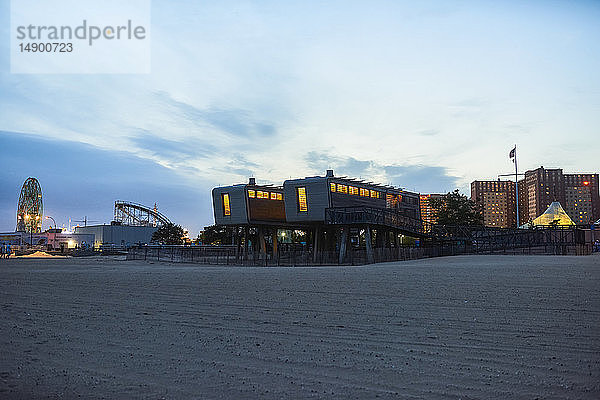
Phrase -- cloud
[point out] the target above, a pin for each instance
(185, 149)
(236, 122)
(428, 132)
(471, 103)
(319, 162)
(421, 178)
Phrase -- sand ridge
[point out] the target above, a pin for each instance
(41, 254)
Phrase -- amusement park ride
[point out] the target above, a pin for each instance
(30, 210)
(133, 214)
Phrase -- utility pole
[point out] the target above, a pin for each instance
(517, 185)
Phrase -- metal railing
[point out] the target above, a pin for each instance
(376, 216)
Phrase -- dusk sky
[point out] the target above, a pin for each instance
(424, 95)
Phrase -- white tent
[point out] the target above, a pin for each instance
(554, 215)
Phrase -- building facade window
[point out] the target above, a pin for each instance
(226, 206)
(259, 194)
(301, 199)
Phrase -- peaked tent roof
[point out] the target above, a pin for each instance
(555, 212)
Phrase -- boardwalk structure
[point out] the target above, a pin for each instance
(341, 220)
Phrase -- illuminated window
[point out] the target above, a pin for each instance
(252, 193)
(342, 188)
(332, 185)
(273, 196)
(301, 197)
(364, 192)
(353, 190)
(279, 196)
(226, 207)
(374, 194)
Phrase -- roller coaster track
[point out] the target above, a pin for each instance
(129, 213)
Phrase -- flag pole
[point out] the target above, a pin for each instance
(517, 186)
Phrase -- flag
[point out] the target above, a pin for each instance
(512, 152)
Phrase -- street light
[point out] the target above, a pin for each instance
(49, 217)
(30, 231)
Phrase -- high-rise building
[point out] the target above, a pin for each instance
(582, 199)
(497, 202)
(523, 202)
(577, 193)
(428, 213)
(543, 186)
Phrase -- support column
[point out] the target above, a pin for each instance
(370, 258)
(238, 238)
(379, 239)
(316, 243)
(343, 242)
(274, 236)
(245, 253)
(262, 244)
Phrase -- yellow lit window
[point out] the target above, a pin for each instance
(353, 190)
(364, 192)
(252, 193)
(279, 196)
(226, 207)
(301, 195)
(374, 194)
(332, 186)
(273, 196)
(342, 188)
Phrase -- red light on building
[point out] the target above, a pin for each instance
(586, 183)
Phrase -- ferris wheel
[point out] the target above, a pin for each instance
(31, 208)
